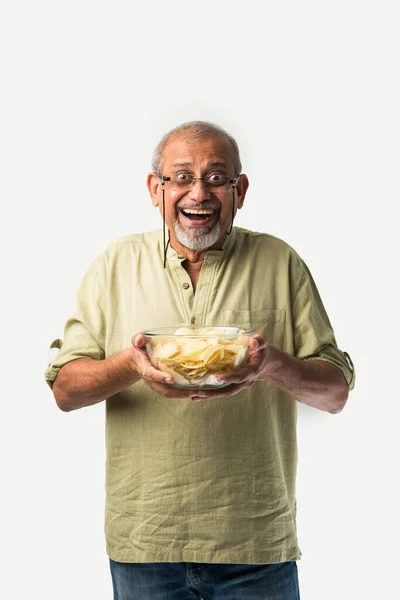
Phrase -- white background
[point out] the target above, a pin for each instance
(310, 91)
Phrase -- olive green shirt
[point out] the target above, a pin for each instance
(212, 481)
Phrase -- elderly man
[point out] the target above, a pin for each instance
(200, 483)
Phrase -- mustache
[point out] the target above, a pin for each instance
(205, 205)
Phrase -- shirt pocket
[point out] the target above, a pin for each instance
(269, 322)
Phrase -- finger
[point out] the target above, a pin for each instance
(150, 373)
(257, 342)
(166, 390)
(239, 376)
(231, 390)
(139, 340)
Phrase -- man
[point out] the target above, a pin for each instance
(200, 484)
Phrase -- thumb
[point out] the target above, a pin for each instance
(257, 341)
(138, 340)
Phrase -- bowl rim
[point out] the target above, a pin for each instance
(169, 332)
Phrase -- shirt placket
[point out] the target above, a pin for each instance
(199, 310)
(195, 304)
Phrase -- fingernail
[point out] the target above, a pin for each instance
(196, 397)
(169, 379)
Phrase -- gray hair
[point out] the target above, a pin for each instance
(197, 130)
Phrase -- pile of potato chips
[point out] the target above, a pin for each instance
(195, 361)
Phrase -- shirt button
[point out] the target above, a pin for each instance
(193, 320)
(185, 286)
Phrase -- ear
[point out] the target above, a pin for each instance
(154, 186)
(241, 189)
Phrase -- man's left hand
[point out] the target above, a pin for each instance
(243, 378)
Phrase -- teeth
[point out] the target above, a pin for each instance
(198, 212)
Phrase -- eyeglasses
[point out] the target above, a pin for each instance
(216, 182)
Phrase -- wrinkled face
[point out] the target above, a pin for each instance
(198, 218)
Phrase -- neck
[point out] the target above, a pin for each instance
(195, 257)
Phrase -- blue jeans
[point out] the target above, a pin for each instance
(196, 581)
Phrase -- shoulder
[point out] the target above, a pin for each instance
(133, 242)
(131, 245)
(279, 255)
(125, 251)
(260, 241)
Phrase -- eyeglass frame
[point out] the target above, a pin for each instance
(234, 181)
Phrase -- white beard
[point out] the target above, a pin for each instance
(197, 238)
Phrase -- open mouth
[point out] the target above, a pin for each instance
(198, 217)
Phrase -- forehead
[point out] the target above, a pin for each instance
(183, 151)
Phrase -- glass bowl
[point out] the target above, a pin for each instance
(194, 357)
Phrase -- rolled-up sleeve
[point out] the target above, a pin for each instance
(85, 330)
(313, 333)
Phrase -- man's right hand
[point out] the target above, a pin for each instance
(143, 364)
(152, 377)
(86, 381)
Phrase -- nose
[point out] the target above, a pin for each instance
(199, 192)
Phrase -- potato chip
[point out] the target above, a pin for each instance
(178, 378)
(165, 350)
(194, 349)
(184, 331)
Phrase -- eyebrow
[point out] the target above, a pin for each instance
(213, 163)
